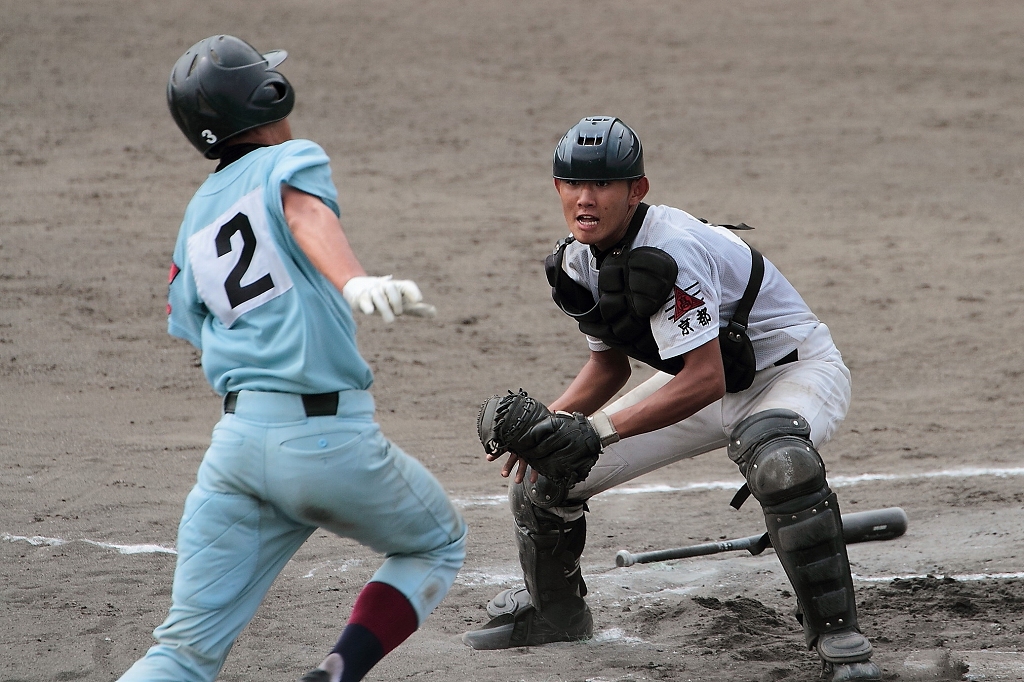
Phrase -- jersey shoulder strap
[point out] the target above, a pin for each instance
(756, 276)
(753, 287)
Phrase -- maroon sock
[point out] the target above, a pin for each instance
(381, 619)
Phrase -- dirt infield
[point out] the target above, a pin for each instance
(876, 147)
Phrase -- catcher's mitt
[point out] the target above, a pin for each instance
(560, 446)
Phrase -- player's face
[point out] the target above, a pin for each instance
(598, 211)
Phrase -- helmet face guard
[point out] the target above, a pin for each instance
(222, 87)
(599, 148)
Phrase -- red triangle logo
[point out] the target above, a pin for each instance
(684, 303)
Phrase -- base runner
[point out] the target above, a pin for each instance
(263, 281)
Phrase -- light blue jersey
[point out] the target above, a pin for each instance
(244, 293)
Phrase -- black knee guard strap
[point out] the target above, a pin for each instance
(546, 493)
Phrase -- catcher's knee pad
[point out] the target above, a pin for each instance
(549, 550)
(774, 452)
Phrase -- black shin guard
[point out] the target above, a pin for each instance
(810, 546)
(549, 550)
(787, 476)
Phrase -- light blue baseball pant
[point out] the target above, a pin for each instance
(270, 478)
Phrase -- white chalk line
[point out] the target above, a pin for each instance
(501, 577)
(483, 578)
(39, 540)
(959, 577)
(492, 500)
(837, 481)
(335, 567)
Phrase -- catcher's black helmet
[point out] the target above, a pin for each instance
(223, 86)
(599, 148)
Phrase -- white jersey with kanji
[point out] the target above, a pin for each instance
(714, 268)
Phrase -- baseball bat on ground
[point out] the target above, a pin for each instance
(865, 526)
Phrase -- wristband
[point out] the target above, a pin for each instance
(602, 423)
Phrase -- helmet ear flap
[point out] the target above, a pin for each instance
(270, 93)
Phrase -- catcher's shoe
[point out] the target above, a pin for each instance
(850, 672)
(509, 602)
(569, 620)
(845, 657)
(317, 675)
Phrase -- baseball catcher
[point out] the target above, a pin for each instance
(741, 362)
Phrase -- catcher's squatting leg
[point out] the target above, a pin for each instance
(787, 476)
(553, 609)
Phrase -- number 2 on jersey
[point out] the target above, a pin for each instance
(237, 293)
(235, 261)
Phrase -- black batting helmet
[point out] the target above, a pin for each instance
(223, 86)
(599, 148)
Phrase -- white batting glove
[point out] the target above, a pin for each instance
(389, 297)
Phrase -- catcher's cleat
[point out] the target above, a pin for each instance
(565, 621)
(865, 671)
(845, 657)
(509, 602)
(843, 646)
(317, 675)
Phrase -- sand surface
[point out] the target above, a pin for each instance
(876, 147)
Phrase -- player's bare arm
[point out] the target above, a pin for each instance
(699, 383)
(604, 374)
(319, 234)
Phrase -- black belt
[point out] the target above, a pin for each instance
(316, 404)
(792, 357)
